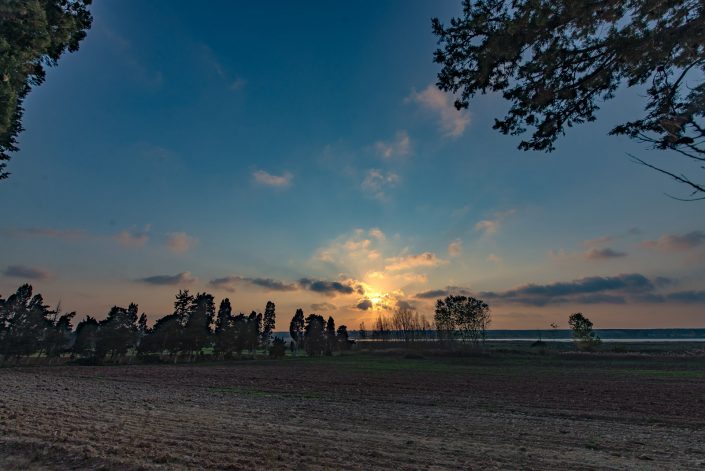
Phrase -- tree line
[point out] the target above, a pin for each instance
(29, 327)
(196, 329)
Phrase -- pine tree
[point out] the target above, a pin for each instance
(197, 331)
(330, 336)
(314, 335)
(224, 341)
(86, 336)
(268, 323)
(296, 329)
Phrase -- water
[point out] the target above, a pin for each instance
(560, 335)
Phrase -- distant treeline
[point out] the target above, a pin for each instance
(28, 327)
(195, 329)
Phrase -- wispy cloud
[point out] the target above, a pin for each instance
(27, 273)
(676, 242)
(405, 262)
(443, 292)
(323, 307)
(491, 226)
(228, 283)
(183, 278)
(233, 83)
(619, 289)
(455, 248)
(603, 254)
(377, 234)
(179, 242)
(377, 183)
(400, 146)
(267, 179)
(133, 238)
(452, 121)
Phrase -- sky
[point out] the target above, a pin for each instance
(299, 152)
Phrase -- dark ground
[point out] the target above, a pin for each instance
(362, 411)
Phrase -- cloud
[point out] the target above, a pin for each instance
(603, 254)
(277, 181)
(452, 121)
(364, 305)
(675, 242)
(618, 289)
(233, 84)
(228, 283)
(442, 293)
(376, 183)
(403, 304)
(182, 278)
(330, 288)
(27, 273)
(179, 242)
(132, 238)
(598, 241)
(377, 234)
(490, 226)
(686, 297)
(455, 248)
(323, 306)
(494, 258)
(584, 290)
(399, 147)
(425, 259)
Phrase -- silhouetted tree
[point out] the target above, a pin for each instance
(166, 335)
(142, 330)
(33, 34)
(342, 338)
(197, 331)
(583, 334)
(86, 336)
(330, 336)
(296, 329)
(182, 306)
(314, 335)
(403, 323)
(24, 321)
(445, 321)
(362, 332)
(254, 331)
(117, 333)
(58, 335)
(468, 315)
(382, 328)
(242, 332)
(268, 323)
(224, 335)
(557, 61)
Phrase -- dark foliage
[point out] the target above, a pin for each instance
(33, 35)
(278, 348)
(556, 61)
(314, 335)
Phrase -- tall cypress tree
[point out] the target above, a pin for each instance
(330, 336)
(296, 329)
(268, 323)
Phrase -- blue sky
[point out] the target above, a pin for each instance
(250, 149)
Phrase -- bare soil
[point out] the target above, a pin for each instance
(560, 412)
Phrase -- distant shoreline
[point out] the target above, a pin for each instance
(562, 335)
